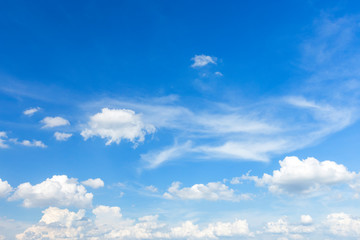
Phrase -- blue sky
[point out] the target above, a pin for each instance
(179, 120)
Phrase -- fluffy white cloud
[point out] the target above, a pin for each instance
(56, 191)
(31, 111)
(343, 224)
(117, 124)
(50, 122)
(109, 224)
(5, 188)
(202, 60)
(297, 176)
(306, 219)
(212, 191)
(62, 136)
(2, 140)
(94, 183)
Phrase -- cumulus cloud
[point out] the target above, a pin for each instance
(109, 224)
(202, 60)
(94, 183)
(62, 136)
(56, 191)
(5, 188)
(117, 124)
(31, 111)
(50, 122)
(343, 224)
(297, 176)
(3, 136)
(212, 191)
(306, 219)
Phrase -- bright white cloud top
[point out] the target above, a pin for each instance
(56, 191)
(306, 176)
(117, 124)
(51, 122)
(93, 183)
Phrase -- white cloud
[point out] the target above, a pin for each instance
(297, 176)
(117, 124)
(62, 136)
(31, 111)
(109, 224)
(28, 143)
(5, 188)
(190, 230)
(212, 191)
(56, 191)
(50, 122)
(202, 60)
(2, 140)
(343, 224)
(306, 219)
(219, 74)
(151, 188)
(94, 183)
(283, 228)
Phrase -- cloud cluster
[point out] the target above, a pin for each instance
(306, 176)
(56, 191)
(50, 122)
(342, 224)
(212, 191)
(108, 223)
(117, 124)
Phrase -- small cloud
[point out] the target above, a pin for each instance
(50, 122)
(202, 60)
(2, 140)
(219, 74)
(212, 191)
(28, 143)
(29, 112)
(151, 188)
(93, 183)
(115, 125)
(62, 136)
